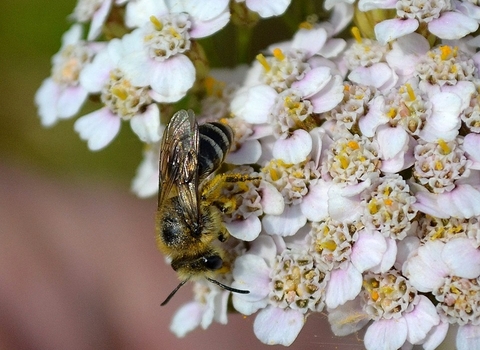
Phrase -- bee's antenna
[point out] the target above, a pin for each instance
(173, 292)
(234, 290)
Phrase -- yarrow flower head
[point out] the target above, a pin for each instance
(345, 173)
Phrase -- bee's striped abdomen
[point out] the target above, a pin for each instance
(215, 141)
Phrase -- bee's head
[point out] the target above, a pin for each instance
(200, 266)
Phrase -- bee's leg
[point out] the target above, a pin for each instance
(223, 235)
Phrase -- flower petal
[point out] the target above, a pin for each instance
(287, 224)
(392, 29)
(248, 153)
(187, 318)
(368, 250)
(452, 25)
(246, 230)
(421, 320)
(462, 257)
(147, 125)
(295, 148)
(98, 128)
(343, 285)
(278, 326)
(386, 334)
(271, 199)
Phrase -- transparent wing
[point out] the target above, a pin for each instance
(178, 164)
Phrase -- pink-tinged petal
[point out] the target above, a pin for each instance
(388, 258)
(341, 16)
(374, 118)
(471, 145)
(264, 246)
(46, 101)
(254, 104)
(386, 334)
(295, 148)
(462, 258)
(367, 5)
(147, 125)
(332, 48)
(278, 326)
(452, 25)
(248, 153)
(246, 230)
(187, 318)
(462, 202)
(421, 320)
(145, 183)
(444, 121)
(329, 97)
(468, 337)
(203, 11)
(98, 20)
(137, 67)
(425, 268)
(436, 336)
(341, 197)
(469, 9)
(251, 273)
(98, 128)
(392, 29)
(309, 40)
(287, 224)
(392, 141)
(96, 74)
(464, 90)
(271, 200)
(368, 250)
(73, 35)
(202, 29)
(315, 80)
(70, 101)
(247, 307)
(405, 248)
(138, 12)
(348, 318)
(165, 78)
(344, 285)
(406, 52)
(376, 75)
(268, 8)
(315, 204)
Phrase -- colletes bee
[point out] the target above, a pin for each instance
(189, 214)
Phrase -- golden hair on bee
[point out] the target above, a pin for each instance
(189, 214)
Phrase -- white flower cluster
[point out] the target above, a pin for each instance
(366, 154)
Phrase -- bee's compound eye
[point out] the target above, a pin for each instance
(213, 262)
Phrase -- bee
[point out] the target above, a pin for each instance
(189, 215)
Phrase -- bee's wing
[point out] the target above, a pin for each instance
(179, 163)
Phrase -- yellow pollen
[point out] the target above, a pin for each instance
(388, 201)
(445, 52)
(455, 290)
(392, 113)
(455, 51)
(330, 245)
(346, 87)
(174, 33)
(263, 61)
(444, 146)
(373, 207)
(353, 145)
(344, 162)
(356, 34)
(120, 93)
(387, 191)
(374, 295)
(411, 93)
(387, 290)
(306, 25)
(278, 54)
(273, 174)
(438, 165)
(156, 23)
(438, 233)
